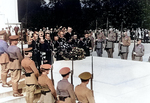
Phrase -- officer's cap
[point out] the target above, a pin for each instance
(46, 66)
(64, 70)
(85, 76)
(2, 32)
(13, 37)
(27, 49)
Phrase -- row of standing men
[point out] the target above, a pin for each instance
(44, 48)
(12, 60)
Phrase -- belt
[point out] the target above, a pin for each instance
(30, 85)
(14, 69)
(11, 59)
(44, 92)
(61, 98)
(28, 74)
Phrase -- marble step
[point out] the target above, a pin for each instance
(11, 99)
(8, 91)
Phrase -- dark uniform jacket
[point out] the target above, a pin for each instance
(86, 46)
(68, 36)
(35, 44)
(47, 47)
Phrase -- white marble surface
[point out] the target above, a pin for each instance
(115, 81)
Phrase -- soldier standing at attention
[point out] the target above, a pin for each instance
(64, 88)
(4, 59)
(99, 44)
(47, 47)
(138, 51)
(15, 64)
(69, 34)
(87, 44)
(57, 48)
(31, 74)
(35, 44)
(84, 94)
(109, 45)
(124, 46)
(48, 90)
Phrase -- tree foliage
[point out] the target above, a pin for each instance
(82, 15)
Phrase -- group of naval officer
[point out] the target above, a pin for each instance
(12, 60)
(45, 46)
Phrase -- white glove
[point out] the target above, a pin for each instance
(134, 53)
(107, 38)
(121, 42)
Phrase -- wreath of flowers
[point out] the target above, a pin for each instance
(75, 54)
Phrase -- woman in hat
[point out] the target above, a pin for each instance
(64, 88)
(48, 92)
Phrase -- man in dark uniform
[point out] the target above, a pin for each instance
(62, 42)
(87, 45)
(81, 43)
(31, 74)
(35, 44)
(56, 48)
(68, 35)
(74, 41)
(146, 36)
(61, 39)
(47, 47)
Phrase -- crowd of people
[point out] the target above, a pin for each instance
(36, 71)
(45, 45)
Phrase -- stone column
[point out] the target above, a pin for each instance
(9, 9)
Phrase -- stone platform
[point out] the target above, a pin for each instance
(115, 80)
